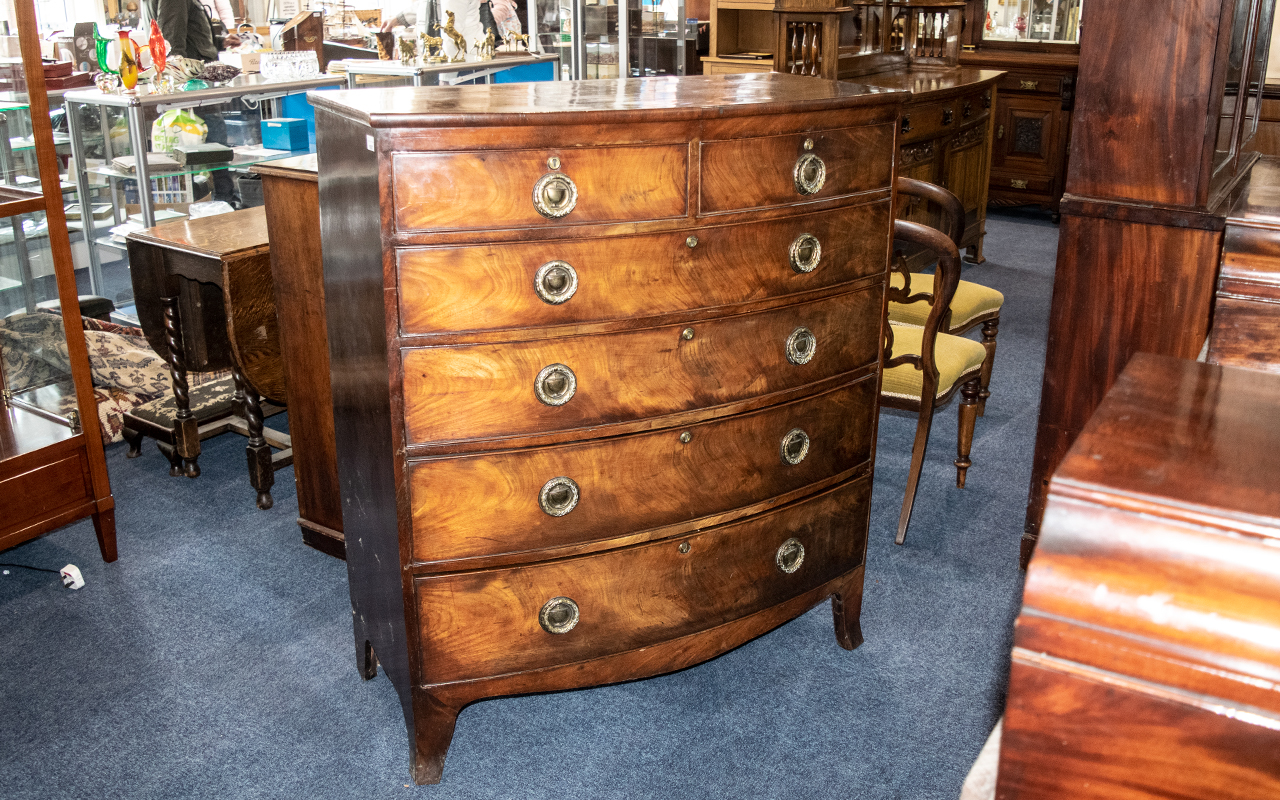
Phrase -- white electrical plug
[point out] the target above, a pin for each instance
(71, 577)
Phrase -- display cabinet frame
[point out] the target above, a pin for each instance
(53, 469)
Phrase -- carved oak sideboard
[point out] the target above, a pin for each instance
(605, 365)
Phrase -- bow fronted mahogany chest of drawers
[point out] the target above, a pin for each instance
(605, 364)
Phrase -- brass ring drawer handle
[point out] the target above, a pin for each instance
(554, 195)
(795, 446)
(806, 252)
(555, 384)
(810, 173)
(789, 557)
(558, 615)
(801, 345)
(559, 496)
(555, 282)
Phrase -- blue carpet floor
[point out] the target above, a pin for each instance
(215, 658)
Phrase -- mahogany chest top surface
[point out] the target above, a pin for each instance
(639, 99)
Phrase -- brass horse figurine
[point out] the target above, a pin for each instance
(432, 48)
(452, 33)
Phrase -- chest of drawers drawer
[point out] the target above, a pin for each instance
(515, 286)
(552, 498)
(491, 622)
(541, 187)
(771, 171)
(472, 392)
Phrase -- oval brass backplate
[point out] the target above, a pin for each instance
(555, 384)
(790, 556)
(806, 252)
(795, 446)
(555, 282)
(810, 174)
(555, 195)
(801, 345)
(559, 496)
(558, 615)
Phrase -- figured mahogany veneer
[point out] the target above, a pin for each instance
(486, 287)
(1145, 658)
(1161, 140)
(634, 597)
(759, 172)
(486, 391)
(707, 477)
(1246, 306)
(653, 480)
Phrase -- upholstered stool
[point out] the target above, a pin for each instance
(216, 407)
(210, 403)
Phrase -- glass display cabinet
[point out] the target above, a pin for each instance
(107, 130)
(52, 467)
(1044, 21)
(586, 34)
(660, 39)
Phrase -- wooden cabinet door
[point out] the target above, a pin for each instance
(920, 161)
(965, 169)
(1028, 135)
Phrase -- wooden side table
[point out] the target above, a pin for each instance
(205, 301)
(290, 190)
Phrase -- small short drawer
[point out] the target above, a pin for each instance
(516, 188)
(485, 623)
(1025, 82)
(928, 120)
(549, 497)
(529, 285)
(769, 171)
(473, 392)
(1021, 183)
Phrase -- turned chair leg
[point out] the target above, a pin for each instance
(989, 330)
(917, 464)
(969, 393)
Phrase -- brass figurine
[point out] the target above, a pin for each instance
(485, 47)
(515, 39)
(408, 51)
(458, 40)
(432, 49)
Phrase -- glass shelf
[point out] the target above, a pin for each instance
(240, 160)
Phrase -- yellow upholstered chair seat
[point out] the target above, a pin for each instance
(972, 300)
(955, 356)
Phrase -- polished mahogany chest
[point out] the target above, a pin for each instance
(605, 365)
(1147, 652)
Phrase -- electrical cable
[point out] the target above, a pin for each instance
(34, 569)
